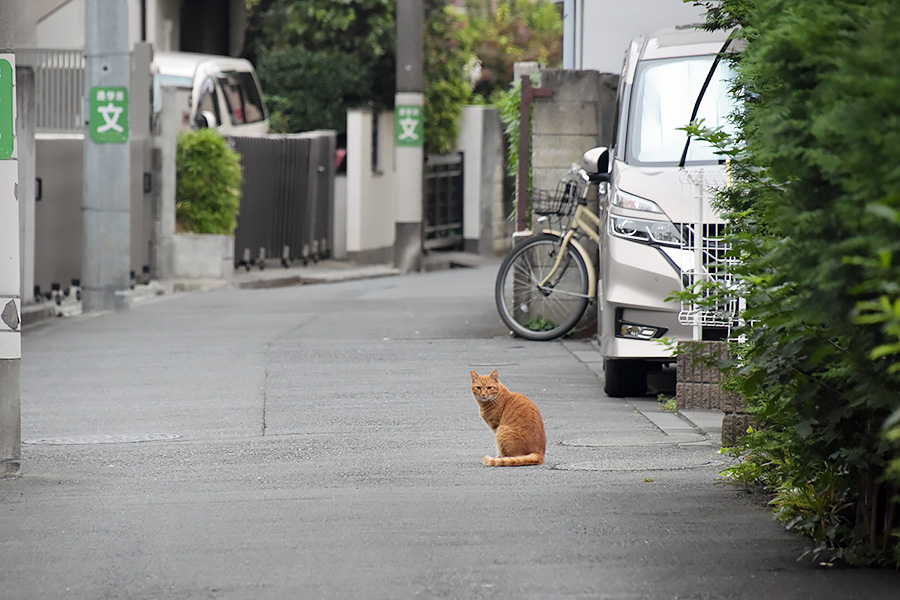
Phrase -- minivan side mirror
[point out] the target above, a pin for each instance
(596, 162)
(206, 119)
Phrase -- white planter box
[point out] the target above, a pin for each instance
(202, 256)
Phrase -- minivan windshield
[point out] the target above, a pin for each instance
(665, 92)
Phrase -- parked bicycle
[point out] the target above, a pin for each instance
(546, 282)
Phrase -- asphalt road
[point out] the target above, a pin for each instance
(321, 441)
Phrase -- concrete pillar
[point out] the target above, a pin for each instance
(164, 149)
(106, 268)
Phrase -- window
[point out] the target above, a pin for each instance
(242, 97)
(208, 101)
(664, 95)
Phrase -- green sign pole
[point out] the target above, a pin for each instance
(109, 115)
(408, 131)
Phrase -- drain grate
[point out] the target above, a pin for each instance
(116, 438)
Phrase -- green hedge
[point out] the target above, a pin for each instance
(814, 214)
(208, 191)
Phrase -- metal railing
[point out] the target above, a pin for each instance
(59, 87)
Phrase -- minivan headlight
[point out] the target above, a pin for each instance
(624, 200)
(641, 230)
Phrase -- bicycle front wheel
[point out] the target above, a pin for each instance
(538, 312)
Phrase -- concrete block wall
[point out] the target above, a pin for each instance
(698, 387)
(577, 117)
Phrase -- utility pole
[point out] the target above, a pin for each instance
(10, 302)
(409, 117)
(106, 278)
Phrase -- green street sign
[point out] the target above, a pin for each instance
(109, 115)
(408, 128)
(7, 109)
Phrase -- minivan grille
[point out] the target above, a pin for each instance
(716, 306)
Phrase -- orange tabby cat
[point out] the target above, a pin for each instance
(515, 421)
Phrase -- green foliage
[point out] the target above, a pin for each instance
(448, 57)
(479, 48)
(508, 103)
(208, 191)
(667, 404)
(813, 212)
(297, 104)
(540, 323)
(511, 31)
(318, 58)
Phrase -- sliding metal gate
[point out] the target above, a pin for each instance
(287, 202)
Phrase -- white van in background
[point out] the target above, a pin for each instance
(219, 92)
(654, 208)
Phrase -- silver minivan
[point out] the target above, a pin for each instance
(658, 197)
(219, 92)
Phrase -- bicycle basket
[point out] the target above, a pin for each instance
(560, 202)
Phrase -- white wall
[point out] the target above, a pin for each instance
(60, 23)
(480, 142)
(370, 194)
(609, 26)
(163, 24)
(62, 27)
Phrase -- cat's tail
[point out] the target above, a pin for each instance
(535, 458)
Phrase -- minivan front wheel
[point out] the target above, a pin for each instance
(624, 377)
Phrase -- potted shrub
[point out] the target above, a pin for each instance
(207, 199)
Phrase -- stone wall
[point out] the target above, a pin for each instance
(580, 115)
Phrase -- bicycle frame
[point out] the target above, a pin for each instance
(586, 221)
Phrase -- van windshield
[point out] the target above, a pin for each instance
(665, 92)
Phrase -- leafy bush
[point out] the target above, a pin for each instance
(448, 56)
(509, 31)
(318, 58)
(208, 191)
(508, 104)
(813, 212)
(308, 90)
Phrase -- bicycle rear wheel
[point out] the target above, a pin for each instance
(541, 313)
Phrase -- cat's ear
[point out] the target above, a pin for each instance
(495, 376)
(474, 376)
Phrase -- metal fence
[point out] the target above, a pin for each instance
(443, 202)
(287, 200)
(59, 87)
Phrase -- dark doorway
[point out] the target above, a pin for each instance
(205, 26)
